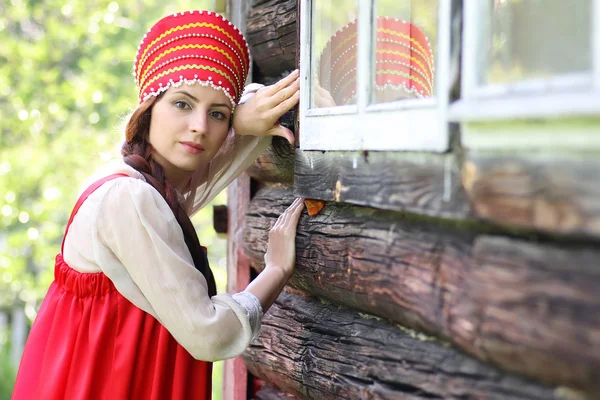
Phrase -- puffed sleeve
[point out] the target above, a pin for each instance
(140, 240)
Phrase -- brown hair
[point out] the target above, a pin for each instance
(137, 153)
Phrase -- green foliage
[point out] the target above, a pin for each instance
(65, 84)
(7, 373)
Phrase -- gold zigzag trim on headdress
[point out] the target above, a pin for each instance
(403, 74)
(187, 26)
(414, 59)
(427, 84)
(386, 71)
(405, 36)
(424, 52)
(412, 68)
(172, 60)
(187, 46)
(189, 66)
(343, 43)
(412, 50)
(394, 52)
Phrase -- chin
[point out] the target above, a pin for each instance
(188, 167)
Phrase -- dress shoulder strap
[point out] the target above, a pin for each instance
(91, 189)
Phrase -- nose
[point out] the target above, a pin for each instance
(198, 123)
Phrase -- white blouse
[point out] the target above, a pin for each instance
(126, 230)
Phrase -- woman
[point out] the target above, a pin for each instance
(133, 311)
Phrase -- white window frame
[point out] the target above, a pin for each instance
(563, 96)
(407, 125)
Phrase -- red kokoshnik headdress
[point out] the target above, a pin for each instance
(192, 47)
(403, 61)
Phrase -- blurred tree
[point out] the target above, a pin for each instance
(65, 85)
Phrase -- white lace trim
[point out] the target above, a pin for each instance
(253, 308)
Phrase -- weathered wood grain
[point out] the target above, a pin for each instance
(270, 392)
(420, 183)
(527, 307)
(276, 164)
(235, 374)
(322, 351)
(271, 35)
(556, 194)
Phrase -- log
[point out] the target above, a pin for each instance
(270, 392)
(417, 182)
(276, 164)
(552, 194)
(317, 350)
(530, 308)
(271, 35)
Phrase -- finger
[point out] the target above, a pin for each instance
(294, 204)
(285, 106)
(279, 130)
(289, 91)
(292, 221)
(293, 213)
(283, 215)
(287, 214)
(282, 218)
(283, 83)
(319, 89)
(297, 212)
(278, 222)
(290, 208)
(284, 94)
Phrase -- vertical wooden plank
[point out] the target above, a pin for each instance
(235, 374)
(238, 276)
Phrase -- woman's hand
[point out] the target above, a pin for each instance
(259, 115)
(322, 97)
(281, 251)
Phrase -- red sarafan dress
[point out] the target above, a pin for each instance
(89, 342)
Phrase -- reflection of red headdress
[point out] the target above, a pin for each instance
(192, 47)
(404, 61)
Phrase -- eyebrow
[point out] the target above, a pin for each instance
(196, 100)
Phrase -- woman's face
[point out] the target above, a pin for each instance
(188, 125)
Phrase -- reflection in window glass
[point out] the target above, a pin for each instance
(334, 38)
(404, 49)
(536, 39)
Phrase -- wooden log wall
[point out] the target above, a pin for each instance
(525, 306)
(270, 392)
(459, 275)
(271, 33)
(317, 350)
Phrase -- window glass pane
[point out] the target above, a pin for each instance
(406, 34)
(334, 38)
(536, 39)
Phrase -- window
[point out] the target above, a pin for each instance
(529, 59)
(374, 74)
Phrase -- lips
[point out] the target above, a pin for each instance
(191, 147)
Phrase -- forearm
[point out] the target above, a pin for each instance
(267, 285)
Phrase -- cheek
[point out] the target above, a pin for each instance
(153, 136)
(221, 136)
(158, 127)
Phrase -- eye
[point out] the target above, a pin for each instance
(182, 105)
(218, 115)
